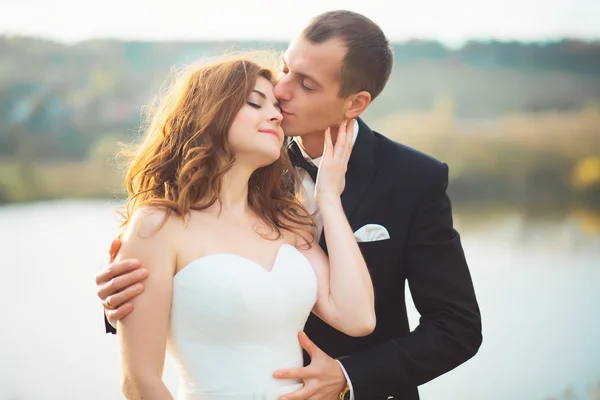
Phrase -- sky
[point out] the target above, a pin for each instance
(449, 21)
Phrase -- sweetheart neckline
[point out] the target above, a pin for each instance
(268, 271)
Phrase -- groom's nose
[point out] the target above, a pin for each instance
(282, 89)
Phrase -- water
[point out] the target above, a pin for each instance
(537, 281)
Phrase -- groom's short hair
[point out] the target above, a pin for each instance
(369, 58)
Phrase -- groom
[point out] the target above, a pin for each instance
(338, 65)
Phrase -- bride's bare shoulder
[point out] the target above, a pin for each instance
(151, 221)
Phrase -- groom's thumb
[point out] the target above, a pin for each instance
(308, 345)
(115, 246)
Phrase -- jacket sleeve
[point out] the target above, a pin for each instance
(449, 330)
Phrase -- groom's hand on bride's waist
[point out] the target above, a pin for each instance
(323, 378)
(118, 284)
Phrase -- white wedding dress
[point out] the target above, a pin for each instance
(233, 323)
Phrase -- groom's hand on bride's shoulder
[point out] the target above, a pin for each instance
(323, 378)
(119, 283)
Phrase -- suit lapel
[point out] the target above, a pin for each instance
(361, 171)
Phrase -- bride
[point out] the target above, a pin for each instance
(234, 271)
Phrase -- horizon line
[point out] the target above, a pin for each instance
(446, 42)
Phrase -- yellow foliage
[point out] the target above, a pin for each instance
(586, 173)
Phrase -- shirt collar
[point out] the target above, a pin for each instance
(317, 161)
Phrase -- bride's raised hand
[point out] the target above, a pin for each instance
(331, 179)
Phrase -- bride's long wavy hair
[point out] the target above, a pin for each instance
(185, 150)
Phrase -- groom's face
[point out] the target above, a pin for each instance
(308, 86)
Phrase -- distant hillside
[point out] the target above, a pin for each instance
(67, 96)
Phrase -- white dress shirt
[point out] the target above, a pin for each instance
(308, 200)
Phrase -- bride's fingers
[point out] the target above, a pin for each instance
(328, 144)
(342, 138)
(350, 137)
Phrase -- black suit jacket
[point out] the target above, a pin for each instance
(405, 191)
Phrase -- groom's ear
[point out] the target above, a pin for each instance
(357, 104)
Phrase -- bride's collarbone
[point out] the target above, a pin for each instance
(206, 235)
(227, 225)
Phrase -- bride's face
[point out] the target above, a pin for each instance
(256, 134)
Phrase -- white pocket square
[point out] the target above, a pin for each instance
(371, 233)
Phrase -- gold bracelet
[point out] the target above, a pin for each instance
(344, 392)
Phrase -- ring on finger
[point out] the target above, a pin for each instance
(107, 305)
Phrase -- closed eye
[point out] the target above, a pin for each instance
(306, 87)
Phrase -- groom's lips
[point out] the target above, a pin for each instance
(285, 112)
